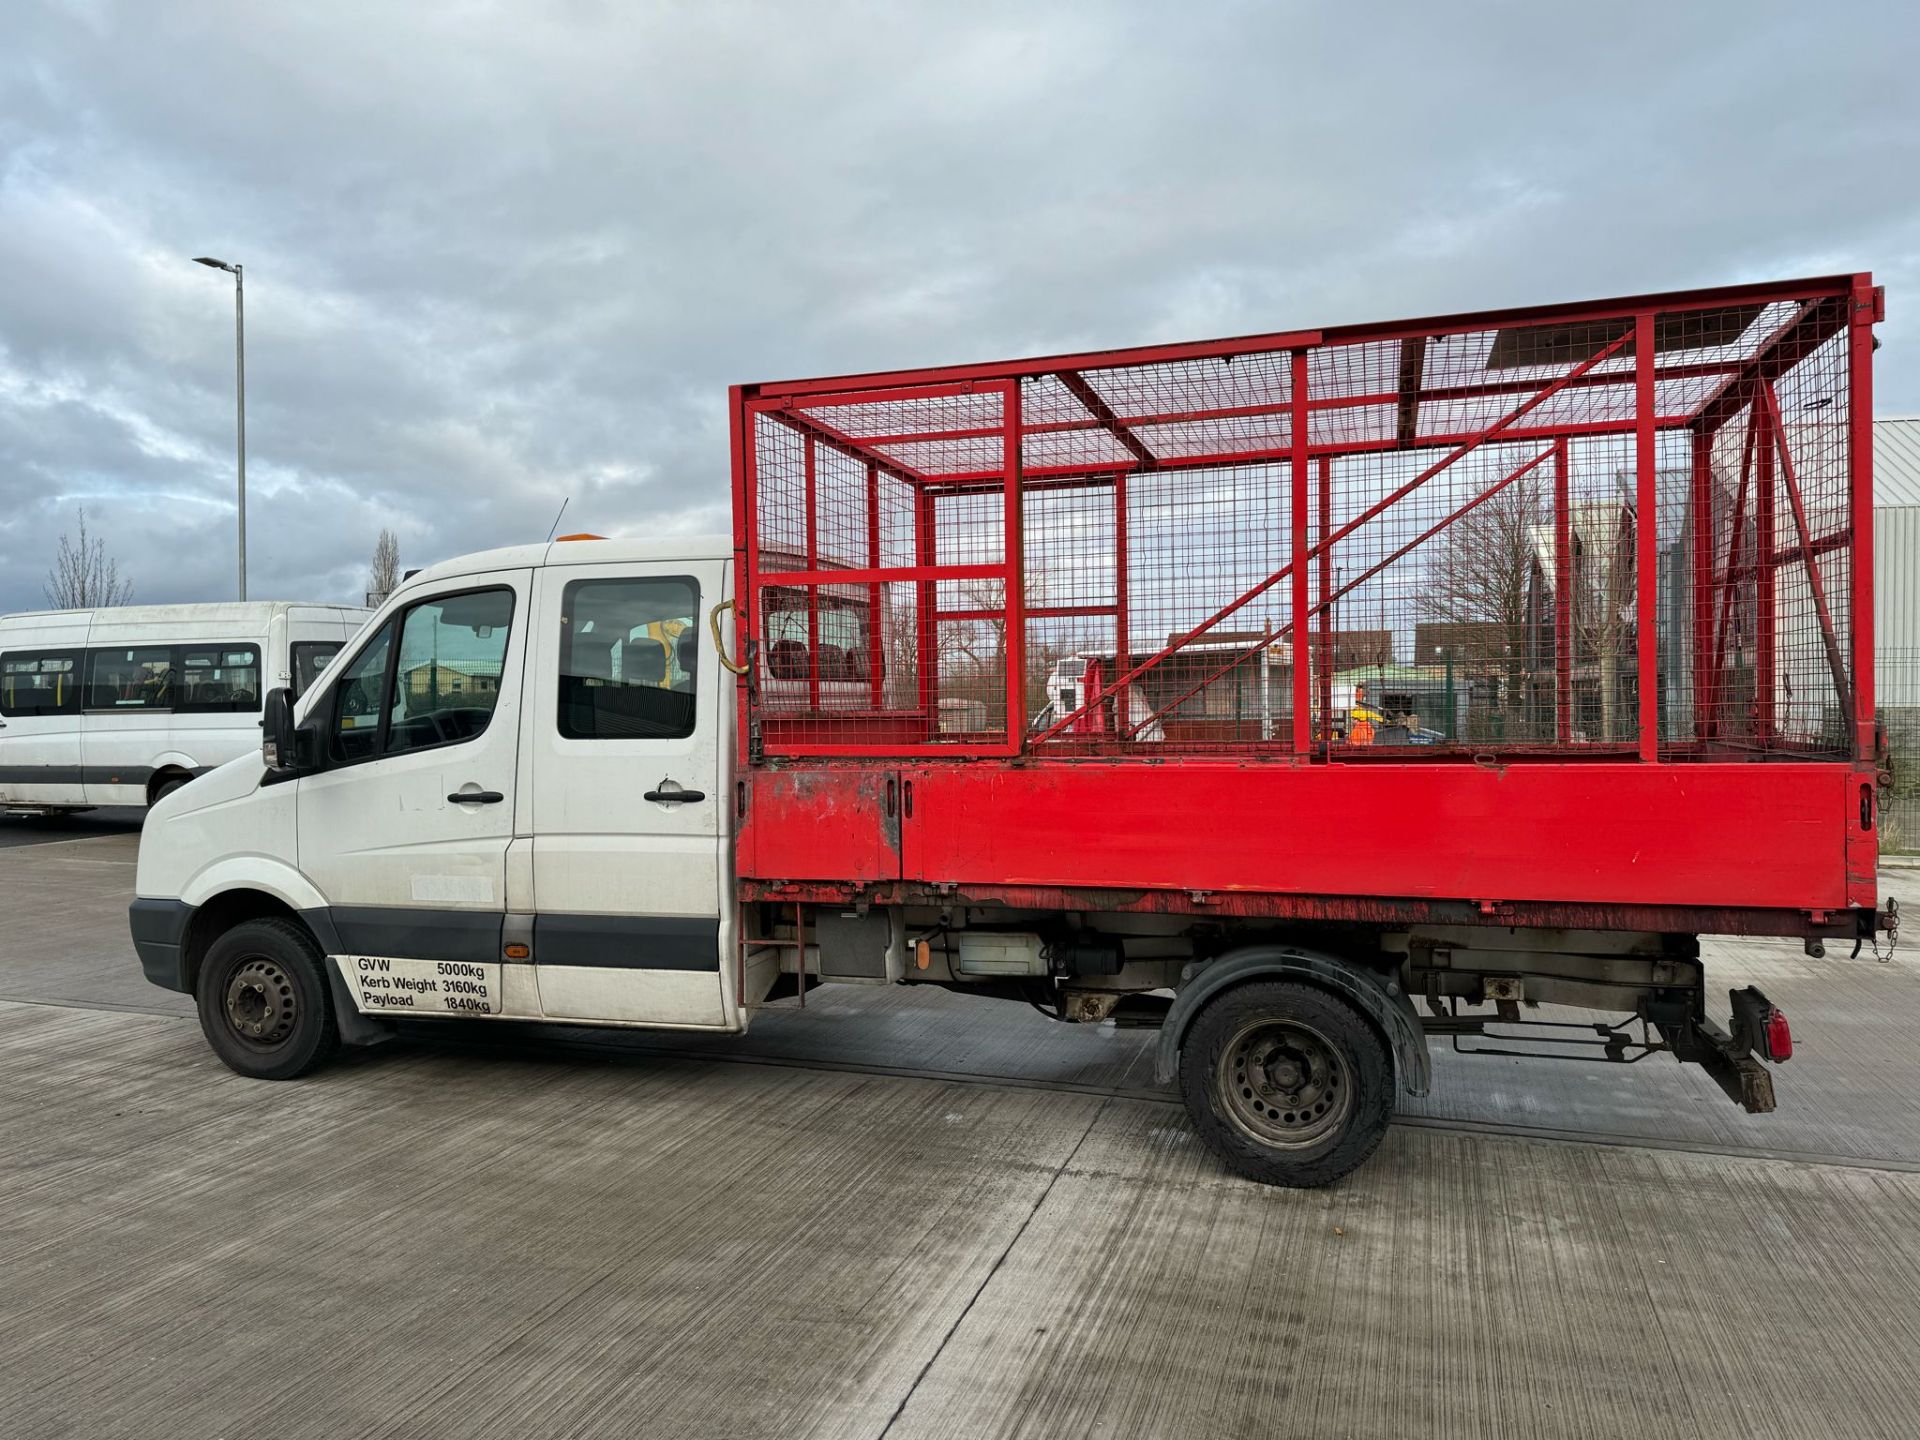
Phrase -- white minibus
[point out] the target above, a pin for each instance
(121, 706)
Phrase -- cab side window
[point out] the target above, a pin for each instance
(355, 732)
(629, 659)
(430, 677)
(39, 684)
(447, 682)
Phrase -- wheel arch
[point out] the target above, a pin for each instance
(266, 874)
(1380, 998)
(219, 913)
(164, 775)
(238, 888)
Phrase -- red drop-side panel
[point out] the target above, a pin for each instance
(1697, 835)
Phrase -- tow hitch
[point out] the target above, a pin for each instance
(1759, 1029)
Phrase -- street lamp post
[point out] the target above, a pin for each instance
(240, 391)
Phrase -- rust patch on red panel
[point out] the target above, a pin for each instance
(841, 824)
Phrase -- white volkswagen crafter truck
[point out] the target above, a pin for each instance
(538, 786)
(514, 796)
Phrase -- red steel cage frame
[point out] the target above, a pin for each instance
(1766, 537)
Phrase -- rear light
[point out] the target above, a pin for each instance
(1759, 1026)
(1777, 1036)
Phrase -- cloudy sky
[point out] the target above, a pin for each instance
(502, 253)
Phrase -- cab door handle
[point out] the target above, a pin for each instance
(476, 797)
(675, 796)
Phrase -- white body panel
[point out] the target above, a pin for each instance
(226, 832)
(661, 999)
(87, 751)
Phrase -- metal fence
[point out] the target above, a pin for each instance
(1617, 528)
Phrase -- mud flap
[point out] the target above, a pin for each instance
(355, 1028)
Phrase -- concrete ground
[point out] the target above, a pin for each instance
(26, 829)
(909, 1214)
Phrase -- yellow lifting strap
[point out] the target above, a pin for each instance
(719, 640)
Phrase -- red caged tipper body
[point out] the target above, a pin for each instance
(1223, 528)
(1542, 632)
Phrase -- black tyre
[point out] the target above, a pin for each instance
(263, 1001)
(167, 787)
(1290, 1084)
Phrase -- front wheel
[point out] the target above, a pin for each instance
(263, 1001)
(1289, 1083)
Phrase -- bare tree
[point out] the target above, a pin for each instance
(970, 656)
(84, 576)
(1603, 599)
(1483, 575)
(974, 652)
(385, 574)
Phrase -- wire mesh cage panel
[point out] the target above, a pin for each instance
(1627, 529)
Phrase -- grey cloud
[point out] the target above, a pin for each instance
(503, 253)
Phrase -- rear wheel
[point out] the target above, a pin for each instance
(1289, 1083)
(166, 787)
(263, 1001)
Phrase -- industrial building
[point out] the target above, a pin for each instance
(1896, 616)
(1896, 543)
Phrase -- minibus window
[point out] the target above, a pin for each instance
(134, 679)
(447, 682)
(357, 701)
(841, 620)
(218, 678)
(629, 652)
(310, 657)
(39, 684)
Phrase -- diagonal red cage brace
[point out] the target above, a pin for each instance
(1836, 663)
(1325, 605)
(1378, 508)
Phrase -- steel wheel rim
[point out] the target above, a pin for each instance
(261, 1005)
(1284, 1084)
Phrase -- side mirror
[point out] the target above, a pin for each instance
(280, 747)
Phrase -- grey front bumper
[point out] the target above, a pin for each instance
(159, 936)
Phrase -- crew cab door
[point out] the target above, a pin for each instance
(629, 812)
(406, 829)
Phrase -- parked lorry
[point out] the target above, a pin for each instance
(942, 710)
